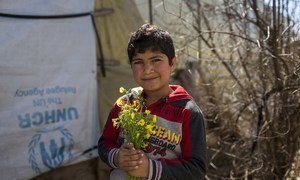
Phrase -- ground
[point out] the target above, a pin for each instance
(93, 169)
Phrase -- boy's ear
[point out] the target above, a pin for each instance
(173, 63)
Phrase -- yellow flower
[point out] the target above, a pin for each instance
(116, 123)
(137, 124)
(132, 115)
(147, 136)
(126, 107)
(144, 145)
(149, 128)
(141, 122)
(154, 119)
(120, 102)
(122, 90)
(147, 112)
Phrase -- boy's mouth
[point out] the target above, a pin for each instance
(149, 78)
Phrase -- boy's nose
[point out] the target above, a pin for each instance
(148, 68)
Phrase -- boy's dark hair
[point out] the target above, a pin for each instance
(150, 37)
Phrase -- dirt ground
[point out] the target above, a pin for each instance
(93, 169)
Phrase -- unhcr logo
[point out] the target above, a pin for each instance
(50, 148)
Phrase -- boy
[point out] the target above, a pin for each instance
(177, 148)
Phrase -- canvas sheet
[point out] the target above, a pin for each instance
(46, 7)
(48, 94)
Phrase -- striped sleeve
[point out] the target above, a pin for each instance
(155, 170)
(192, 163)
(107, 144)
(111, 156)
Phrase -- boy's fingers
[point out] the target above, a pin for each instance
(128, 146)
(133, 157)
(131, 164)
(130, 168)
(129, 156)
(128, 150)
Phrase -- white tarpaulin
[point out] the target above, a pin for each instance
(48, 90)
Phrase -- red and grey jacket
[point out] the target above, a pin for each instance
(177, 146)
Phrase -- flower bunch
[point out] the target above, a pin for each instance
(136, 122)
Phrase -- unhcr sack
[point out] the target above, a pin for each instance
(48, 101)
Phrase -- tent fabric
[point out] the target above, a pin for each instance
(115, 30)
(44, 57)
(46, 7)
(48, 88)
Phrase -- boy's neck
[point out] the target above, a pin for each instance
(152, 97)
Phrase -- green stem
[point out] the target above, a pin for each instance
(133, 178)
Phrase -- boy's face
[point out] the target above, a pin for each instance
(152, 71)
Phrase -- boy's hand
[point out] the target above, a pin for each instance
(143, 168)
(127, 158)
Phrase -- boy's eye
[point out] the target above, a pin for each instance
(137, 62)
(156, 60)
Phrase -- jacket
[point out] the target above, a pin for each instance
(177, 146)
